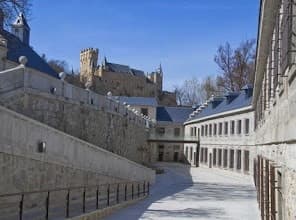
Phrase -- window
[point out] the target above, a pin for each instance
(238, 159)
(210, 130)
(231, 165)
(247, 126)
(198, 132)
(225, 158)
(160, 130)
(215, 129)
(176, 147)
(160, 147)
(144, 111)
(219, 157)
(206, 133)
(191, 131)
(177, 131)
(214, 156)
(191, 153)
(206, 155)
(220, 128)
(202, 130)
(239, 127)
(232, 127)
(194, 131)
(202, 155)
(246, 160)
(225, 128)
(186, 152)
(280, 195)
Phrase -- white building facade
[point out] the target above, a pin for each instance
(167, 137)
(224, 127)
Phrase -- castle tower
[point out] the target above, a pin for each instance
(88, 64)
(157, 78)
(21, 29)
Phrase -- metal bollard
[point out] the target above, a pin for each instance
(125, 192)
(83, 200)
(108, 195)
(97, 198)
(117, 194)
(21, 206)
(68, 204)
(47, 206)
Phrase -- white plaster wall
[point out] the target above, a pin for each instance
(230, 141)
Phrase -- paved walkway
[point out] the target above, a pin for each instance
(195, 193)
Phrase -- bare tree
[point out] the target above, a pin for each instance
(11, 8)
(237, 66)
(57, 65)
(179, 91)
(244, 65)
(225, 61)
(190, 93)
(209, 87)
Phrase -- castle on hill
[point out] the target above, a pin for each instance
(122, 80)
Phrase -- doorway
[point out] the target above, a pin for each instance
(210, 162)
(176, 156)
(160, 156)
(160, 152)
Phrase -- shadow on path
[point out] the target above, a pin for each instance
(192, 193)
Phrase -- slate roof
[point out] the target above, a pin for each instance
(231, 101)
(119, 68)
(17, 48)
(145, 101)
(173, 114)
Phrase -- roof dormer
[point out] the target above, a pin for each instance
(230, 96)
(21, 29)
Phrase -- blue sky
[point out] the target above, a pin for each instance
(181, 34)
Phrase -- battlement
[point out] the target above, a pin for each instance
(89, 50)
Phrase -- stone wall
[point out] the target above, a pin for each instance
(67, 161)
(77, 112)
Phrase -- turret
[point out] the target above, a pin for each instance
(157, 78)
(88, 64)
(21, 29)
